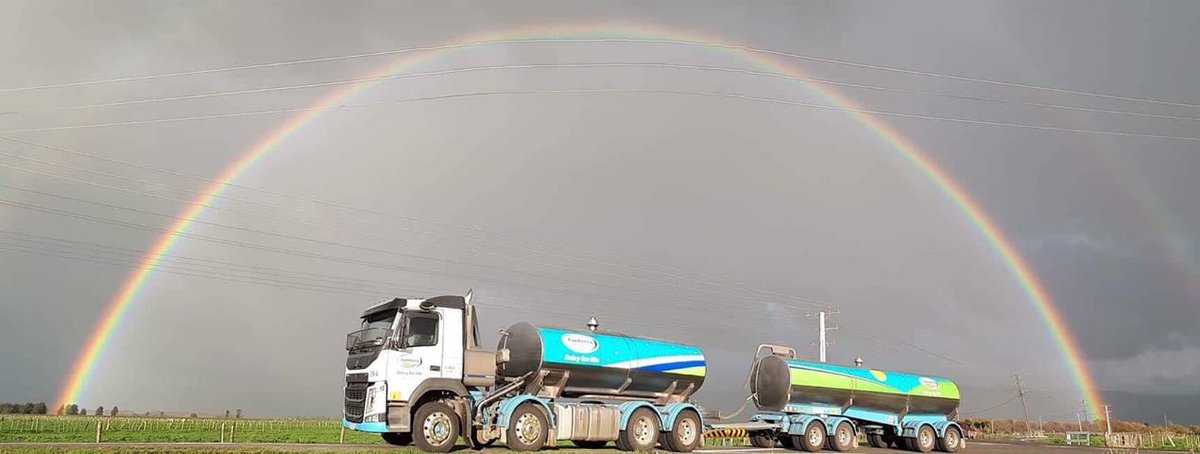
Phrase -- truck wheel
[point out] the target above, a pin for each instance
(527, 428)
(926, 439)
(397, 438)
(876, 441)
(813, 438)
(951, 441)
(843, 437)
(641, 433)
(590, 444)
(436, 427)
(762, 439)
(685, 433)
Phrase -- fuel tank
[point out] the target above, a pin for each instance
(778, 382)
(599, 364)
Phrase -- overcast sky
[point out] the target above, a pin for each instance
(706, 220)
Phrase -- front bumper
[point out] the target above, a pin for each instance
(373, 427)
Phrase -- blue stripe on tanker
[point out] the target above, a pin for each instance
(667, 367)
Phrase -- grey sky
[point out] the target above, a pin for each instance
(792, 200)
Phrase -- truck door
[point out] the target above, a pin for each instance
(420, 355)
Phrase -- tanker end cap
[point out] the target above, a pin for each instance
(771, 383)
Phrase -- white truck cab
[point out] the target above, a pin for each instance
(408, 352)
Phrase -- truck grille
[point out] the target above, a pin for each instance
(356, 396)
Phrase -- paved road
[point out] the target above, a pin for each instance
(972, 448)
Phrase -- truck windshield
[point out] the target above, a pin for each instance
(374, 330)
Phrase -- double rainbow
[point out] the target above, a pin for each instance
(111, 319)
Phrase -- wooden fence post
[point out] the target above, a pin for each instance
(97, 431)
(342, 436)
(233, 433)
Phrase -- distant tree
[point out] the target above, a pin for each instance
(62, 410)
(226, 414)
(114, 411)
(39, 408)
(193, 415)
(99, 411)
(161, 414)
(72, 409)
(82, 412)
(7, 408)
(239, 414)
(27, 408)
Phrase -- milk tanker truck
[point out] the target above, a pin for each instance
(415, 374)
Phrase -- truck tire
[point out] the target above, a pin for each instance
(436, 427)
(951, 441)
(762, 439)
(786, 442)
(925, 440)
(876, 441)
(641, 433)
(685, 433)
(590, 444)
(527, 428)
(397, 438)
(813, 438)
(843, 437)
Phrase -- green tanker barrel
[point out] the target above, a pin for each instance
(778, 382)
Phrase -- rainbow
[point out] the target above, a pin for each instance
(76, 382)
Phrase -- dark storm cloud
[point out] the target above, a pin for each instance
(796, 201)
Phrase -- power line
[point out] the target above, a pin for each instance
(316, 241)
(906, 344)
(691, 67)
(321, 225)
(985, 410)
(791, 55)
(97, 254)
(722, 95)
(508, 240)
(382, 265)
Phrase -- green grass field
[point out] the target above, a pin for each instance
(34, 429)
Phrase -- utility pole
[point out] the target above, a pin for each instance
(1040, 427)
(1085, 415)
(822, 330)
(1079, 421)
(1021, 393)
(821, 339)
(1107, 421)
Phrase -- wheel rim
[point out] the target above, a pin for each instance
(643, 431)
(814, 436)
(951, 439)
(529, 428)
(437, 428)
(926, 438)
(843, 436)
(686, 432)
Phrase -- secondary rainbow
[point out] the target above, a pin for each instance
(111, 318)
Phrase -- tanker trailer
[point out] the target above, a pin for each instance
(603, 386)
(416, 374)
(810, 400)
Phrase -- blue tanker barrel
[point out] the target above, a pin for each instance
(602, 363)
